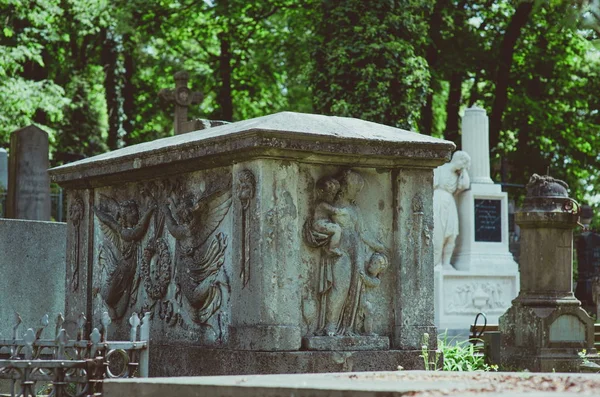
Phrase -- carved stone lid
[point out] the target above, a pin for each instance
(301, 137)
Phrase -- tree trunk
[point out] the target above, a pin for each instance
(435, 37)
(453, 107)
(505, 59)
(128, 89)
(225, 93)
(109, 59)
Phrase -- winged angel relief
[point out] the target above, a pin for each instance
(191, 222)
(191, 225)
(124, 228)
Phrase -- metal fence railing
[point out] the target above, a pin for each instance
(63, 367)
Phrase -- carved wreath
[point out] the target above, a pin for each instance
(156, 287)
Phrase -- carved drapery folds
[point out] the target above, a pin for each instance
(136, 251)
(352, 261)
(246, 192)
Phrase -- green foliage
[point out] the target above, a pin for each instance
(89, 71)
(369, 63)
(462, 356)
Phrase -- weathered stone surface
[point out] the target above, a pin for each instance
(28, 180)
(194, 361)
(32, 265)
(243, 238)
(366, 342)
(545, 328)
(295, 136)
(369, 384)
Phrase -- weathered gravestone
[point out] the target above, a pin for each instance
(545, 329)
(28, 180)
(483, 276)
(286, 243)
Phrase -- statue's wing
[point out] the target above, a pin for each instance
(108, 210)
(209, 213)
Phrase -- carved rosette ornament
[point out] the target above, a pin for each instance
(246, 192)
(76, 212)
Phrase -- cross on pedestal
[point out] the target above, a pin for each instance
(183, 98)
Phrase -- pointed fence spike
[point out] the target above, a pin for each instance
(80, 324)
(95, 338)
(145, 327)
(44, 321)
(105, 320)
(18, 321)
(61, 340)
(59, 323)
(145, 353)
(29, 338)
(134, 321)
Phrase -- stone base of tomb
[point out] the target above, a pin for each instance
(185, 360)
(346, 343)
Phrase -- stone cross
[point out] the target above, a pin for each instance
(183, 98)
(28, 179)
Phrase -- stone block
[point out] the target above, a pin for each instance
(246, 237)
(32, 265)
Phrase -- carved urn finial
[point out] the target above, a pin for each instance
(546, 186)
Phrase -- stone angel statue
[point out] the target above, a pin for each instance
(123, 226)
(192, 222)
(449, 180)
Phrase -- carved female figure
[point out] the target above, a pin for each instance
(340, 283)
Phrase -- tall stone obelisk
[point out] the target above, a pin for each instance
(485, 277)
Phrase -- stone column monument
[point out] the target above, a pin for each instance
(483, 276)
(545, 328)
(28, 180)
(286, 243)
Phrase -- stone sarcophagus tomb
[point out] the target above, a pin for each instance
(286, 243)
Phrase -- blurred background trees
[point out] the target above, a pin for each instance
(88, 71)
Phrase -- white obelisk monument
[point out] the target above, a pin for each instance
(484, 277)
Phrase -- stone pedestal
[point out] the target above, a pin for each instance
(286, 243)
(545, 328)
(485, 277)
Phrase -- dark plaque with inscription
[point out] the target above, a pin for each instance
(488, 220)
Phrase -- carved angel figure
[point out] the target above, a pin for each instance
(122, 225)
(191, 222)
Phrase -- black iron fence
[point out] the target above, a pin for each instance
(63, 367)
